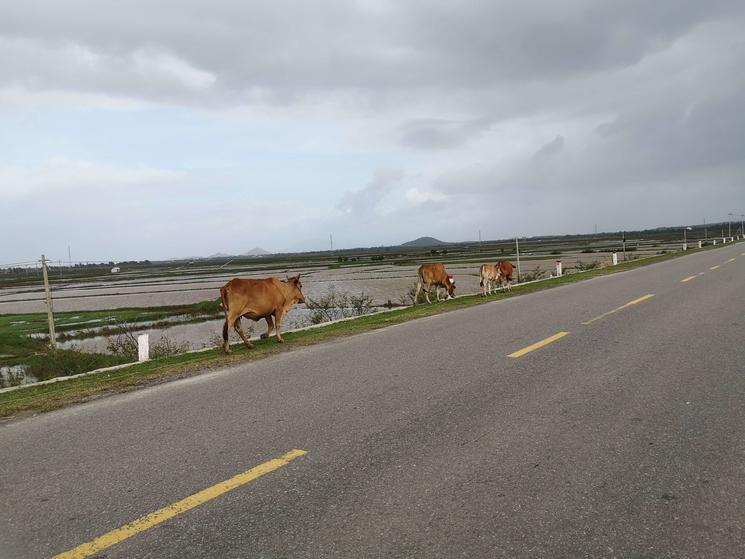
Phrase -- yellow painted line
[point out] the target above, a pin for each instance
(714, 267)
(629, 304)
(732, 259)
(538, 345)
(166, 513)
(701, 273)
(689, 278)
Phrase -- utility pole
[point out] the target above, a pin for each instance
(69, 258)
(623, 240)
(517, 250)
(729, 231)
(50, 310)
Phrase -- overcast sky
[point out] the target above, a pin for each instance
(141, 129)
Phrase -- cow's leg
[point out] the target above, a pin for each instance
(239, 329)
(437, 290)
(418, 289)
(278, 314)
(225, 329)
(270, 327)
(426, 293)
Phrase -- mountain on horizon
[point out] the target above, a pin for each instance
(256, 251)
(424, 242)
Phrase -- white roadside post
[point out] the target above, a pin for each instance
(615, 258)
(558, 268)
(699, 244)
(714, 241)
(143, 347)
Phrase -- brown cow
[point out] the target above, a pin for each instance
(257, 299)
(434, 274)
(505, 274)
(489, 274)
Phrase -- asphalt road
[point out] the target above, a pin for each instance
(623, 438)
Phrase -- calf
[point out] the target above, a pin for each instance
(505, 274)
(489, 276)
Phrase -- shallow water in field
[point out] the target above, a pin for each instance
(14, 376)
(198, 335)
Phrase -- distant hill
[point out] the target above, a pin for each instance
(424, 242)
(217, 255)
(256, 252)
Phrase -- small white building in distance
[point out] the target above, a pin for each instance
(115, 270)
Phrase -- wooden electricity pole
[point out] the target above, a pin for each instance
(50, 310)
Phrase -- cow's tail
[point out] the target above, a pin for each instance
(224, 299)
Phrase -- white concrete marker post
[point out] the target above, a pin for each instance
(714, 241)
(699, 244)
(615, 258)
(143, 347)
(558, 268)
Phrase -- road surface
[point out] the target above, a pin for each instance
(600, 419)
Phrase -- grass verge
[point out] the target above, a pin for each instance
(47, 397)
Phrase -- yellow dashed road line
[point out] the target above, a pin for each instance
(689, 278)
(538, 345)
(630, 303)
(166, 513)
(714, 267)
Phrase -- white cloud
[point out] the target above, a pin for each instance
(61, 176)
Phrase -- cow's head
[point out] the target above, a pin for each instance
(451, 286)
(296, 289)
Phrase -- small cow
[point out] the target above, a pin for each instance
(433, 275)
(505, 274)
(489, 277)
(257, 299)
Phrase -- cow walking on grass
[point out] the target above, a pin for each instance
(505, 274)
(268, 298)
(490, 275)
(433, 275)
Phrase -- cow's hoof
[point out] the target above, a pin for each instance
(264, 336)
(280, 340)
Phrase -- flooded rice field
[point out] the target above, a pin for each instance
(385, 284)
(382, 283)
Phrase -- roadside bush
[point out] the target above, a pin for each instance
(408, 298)
(536, 274)
(124, 344)
(61, 363)
(583, 266)
(335, 305)
(587, 251)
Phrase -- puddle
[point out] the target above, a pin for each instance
(14, 376)
(198, 335)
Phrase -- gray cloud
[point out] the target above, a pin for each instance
(510, 117)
